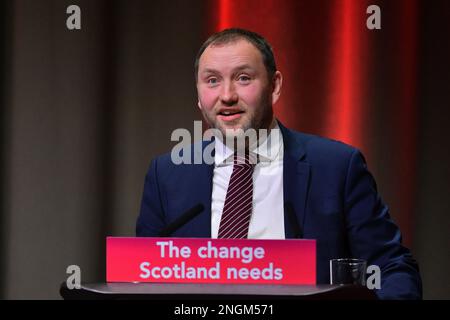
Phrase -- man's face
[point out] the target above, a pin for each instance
(233, 87)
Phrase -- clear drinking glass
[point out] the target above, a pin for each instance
(348, 271)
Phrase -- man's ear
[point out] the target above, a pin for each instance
(277, 83)
(199, 105)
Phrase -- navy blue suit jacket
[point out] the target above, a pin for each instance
(332, 193)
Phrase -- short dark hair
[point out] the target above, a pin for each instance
(234, 34)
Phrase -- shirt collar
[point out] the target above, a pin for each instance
(267, 151)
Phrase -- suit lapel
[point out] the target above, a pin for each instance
(296, 173)
(203, 188)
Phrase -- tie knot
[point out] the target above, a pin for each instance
(245, 159)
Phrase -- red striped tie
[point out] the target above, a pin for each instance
(237, 209)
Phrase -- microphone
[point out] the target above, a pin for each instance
(182, 220)
(292, 217)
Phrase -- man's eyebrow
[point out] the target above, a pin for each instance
(237, 69)
(208, 70)
(243, 67)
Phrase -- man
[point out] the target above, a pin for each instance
(299, 186)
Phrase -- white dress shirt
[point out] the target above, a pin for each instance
(267, 220)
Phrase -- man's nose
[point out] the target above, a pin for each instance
(229, 95)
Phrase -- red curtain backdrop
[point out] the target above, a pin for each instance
(344, 81)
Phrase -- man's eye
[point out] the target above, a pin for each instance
(244, 78)
(212, 81)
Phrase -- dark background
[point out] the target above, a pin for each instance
(83, 112)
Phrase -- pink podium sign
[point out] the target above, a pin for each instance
(203, 260)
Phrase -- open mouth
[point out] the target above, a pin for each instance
(230, 115)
